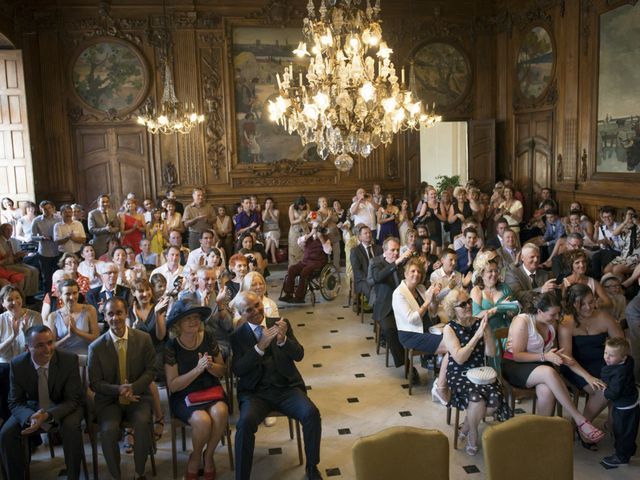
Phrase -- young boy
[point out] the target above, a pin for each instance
(621, 391)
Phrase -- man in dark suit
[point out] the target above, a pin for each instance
(264, 354)
(466, 254)
(99, 295)
(103, 224)
(509, 252)
(527, 279)
(121, 367)
(496, 241)
(387, 273)
(360, 257)
(45, 392)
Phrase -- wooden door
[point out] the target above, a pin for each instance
(16, 171)
(111, 160)
(482, 153)
(533, 159)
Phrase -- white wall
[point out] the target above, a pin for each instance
(443, 151)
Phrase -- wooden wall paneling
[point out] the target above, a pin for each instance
(482, 152)
(94, 172)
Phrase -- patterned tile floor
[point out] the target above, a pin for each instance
(356, 394)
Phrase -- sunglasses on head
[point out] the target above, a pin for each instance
(463, 304)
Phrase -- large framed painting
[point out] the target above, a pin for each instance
(618, 124)
(442, 73)
(109, 75)
(259, 54)
(535, 63)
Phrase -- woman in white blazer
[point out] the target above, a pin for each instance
(412, 304)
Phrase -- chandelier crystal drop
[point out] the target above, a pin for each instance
(349, 99)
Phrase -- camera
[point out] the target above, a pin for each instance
(322, 230)
(252, 259)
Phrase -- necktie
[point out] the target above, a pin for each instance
(258, 332)
(370, 252)
(43, 389)
(106, 219)
(533, 280)
(122, 366)
(206, 300)
(109, 294)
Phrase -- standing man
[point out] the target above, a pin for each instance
(362, 209)
(360, 257)
(386, 271)
(247, 219)
(121, 367)
(42, 232)
(264, 354)
(45, 391)
(69, 233)
(197, 217)
(103, 224)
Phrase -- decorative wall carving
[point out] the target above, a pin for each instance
(559, 172)
(212, 93)
(586, 8)
(583, 165)
(279, 13)
(548, 99)
(285, 167)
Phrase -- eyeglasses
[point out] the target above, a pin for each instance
(463, 304)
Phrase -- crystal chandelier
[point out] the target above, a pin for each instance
(172, 116)
(350, 100)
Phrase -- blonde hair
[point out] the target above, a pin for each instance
(449, 302)
(245, 286)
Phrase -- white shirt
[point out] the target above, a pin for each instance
(195, 256)
(115, 339)
(168, 275)
(364, 213)
(62, 230)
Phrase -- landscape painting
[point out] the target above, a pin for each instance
(534, 67)
(618, 139)
(109, 76)
(259, 54)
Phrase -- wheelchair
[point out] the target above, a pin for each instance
(327, 280)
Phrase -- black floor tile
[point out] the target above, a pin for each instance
(471, 469)
(344, 431)
(333, 472)
(326, 346)
(309, 313)
(317, 365)
(275, 451)
(360, 375)
(301, 324)
(333, 331)
(405, 385)
(365, 355)
(307, 387)
(340, 318)
(405, 413)
(353, 400)
(370, 338)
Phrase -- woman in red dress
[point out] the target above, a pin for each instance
(132, 225)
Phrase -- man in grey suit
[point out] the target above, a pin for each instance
(103, 225)
(121, 367)
(45, 392)
(527, 279)
(509, 252)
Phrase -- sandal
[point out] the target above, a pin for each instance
(471, 449)
(436, 397)
(587, 445)
(191, 475)
(210, 475)
(593, 437)
(158, 428)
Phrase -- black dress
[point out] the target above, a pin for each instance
(176, 353)
(149, 326)
(455, 228)
(462, 389)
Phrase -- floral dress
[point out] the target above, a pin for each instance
(462, 389)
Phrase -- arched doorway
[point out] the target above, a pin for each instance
(16, 169)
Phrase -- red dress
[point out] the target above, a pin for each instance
(132, 239)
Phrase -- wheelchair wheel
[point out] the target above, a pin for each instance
(330, 282)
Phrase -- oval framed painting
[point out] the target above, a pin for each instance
(535, 63)
(109, 75)
(442, 74)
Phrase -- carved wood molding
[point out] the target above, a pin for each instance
(285, 167)
(559, 171)
(586, 8)
(583, 165)
(212, 93)
(538, 11)
(280, 13)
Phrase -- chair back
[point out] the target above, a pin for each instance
(529, 447)
(402, 453)
(501, 335)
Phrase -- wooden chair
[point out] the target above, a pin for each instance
(402, 453)
(377, 331)
(408, 363)
(456, 426)
(275, 413)
(512, 392)
(179, 424)
(50, 433)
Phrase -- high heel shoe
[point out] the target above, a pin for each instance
(436, 397)
(587, 445)
(471, 449)
(593, 437)
(210, 475)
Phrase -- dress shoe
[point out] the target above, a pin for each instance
(313, 474)
(297, 300)
(286, 298)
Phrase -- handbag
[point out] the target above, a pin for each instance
(481, 375)
(204, 396)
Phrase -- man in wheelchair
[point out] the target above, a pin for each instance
(317, 246)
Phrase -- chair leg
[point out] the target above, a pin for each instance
(533, 407)
(184, 439)
(455, 429)
(94, 453)
(386, 355)
(174, 453)
(154, 471)
(377, 330)
(27, 453)
(449, 415)
(406, 363)
(298, 436)
(230, 448)
(410, 354)
(290, 428)
(52, 453)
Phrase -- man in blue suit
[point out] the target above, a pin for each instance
(467, 253)
(264, 354)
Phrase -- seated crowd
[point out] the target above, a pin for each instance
(170, 295)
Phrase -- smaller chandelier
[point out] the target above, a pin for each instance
(350, 99)
(172, 117)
